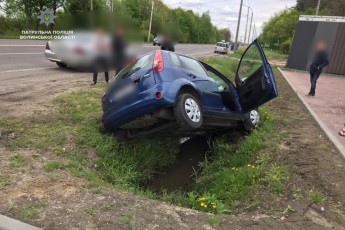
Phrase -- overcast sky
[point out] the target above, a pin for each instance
(224, 13)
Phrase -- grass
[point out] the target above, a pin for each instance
(55, 165)
(317, 197)
(18, 161)
(4, 181)
(238, 174)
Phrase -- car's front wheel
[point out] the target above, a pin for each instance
(252, 119)
(188, 111)
(62, 65)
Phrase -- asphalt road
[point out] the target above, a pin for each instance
(28, 79)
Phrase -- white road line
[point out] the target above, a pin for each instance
(23, 70)
(199, 53)
(19, 53)
(23, 45)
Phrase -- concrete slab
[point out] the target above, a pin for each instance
(7, 223)
(327, 107)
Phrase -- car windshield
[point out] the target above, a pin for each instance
(221, 44)
(142, 63)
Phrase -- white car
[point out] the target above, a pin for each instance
(80, 53)
(157, 41)
(221, 47)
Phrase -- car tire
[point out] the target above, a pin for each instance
(61, 64)
(154, 44)
(188, 112)
(252, 119)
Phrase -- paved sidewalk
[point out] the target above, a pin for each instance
(327, 107)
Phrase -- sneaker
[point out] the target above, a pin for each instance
(308, 95)
(93, 83)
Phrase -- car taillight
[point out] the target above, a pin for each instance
(79, 50)
(158, 64)
(47, 46)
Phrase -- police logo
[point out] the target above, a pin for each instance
(47, 17)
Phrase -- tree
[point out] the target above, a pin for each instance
(278, 32)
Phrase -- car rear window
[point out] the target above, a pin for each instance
(142, 63)
(188, 64)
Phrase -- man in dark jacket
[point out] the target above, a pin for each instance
(167, 44)
(118, 48)
(320, 61)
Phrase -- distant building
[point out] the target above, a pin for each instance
(311, 29)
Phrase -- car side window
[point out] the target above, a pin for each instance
(250, 64)
(220, 83)
(192, 66)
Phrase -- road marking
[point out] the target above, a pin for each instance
(22, 70)
(24, 45)
(18, 53)
(199, 53)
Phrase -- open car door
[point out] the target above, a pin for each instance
(255, 82)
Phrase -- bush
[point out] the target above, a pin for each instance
(286, 46)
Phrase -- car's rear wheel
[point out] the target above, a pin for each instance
(188, 111)
(61, 64)
(252, 120)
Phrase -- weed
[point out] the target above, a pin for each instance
(128, 219)
(4, 181)
(90, 211)
(18, 161)
(317, 197)
(213, 222)
(207, 202)
(29, 213)
(288, 209)
(55, 165)
(105, 206)
(96, 191)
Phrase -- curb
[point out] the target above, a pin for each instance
(7, 223)
(322, 125)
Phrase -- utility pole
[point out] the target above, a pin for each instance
(245, 33)
(148, 36)
(250, 28)
(318, 7)
(238, 25)
(91, 5)
(112, 6)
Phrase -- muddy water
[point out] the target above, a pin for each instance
(180, 175)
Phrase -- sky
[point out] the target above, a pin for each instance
(224, 13)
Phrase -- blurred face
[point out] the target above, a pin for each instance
(321, 46)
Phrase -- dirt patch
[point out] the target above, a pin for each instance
(60, 200)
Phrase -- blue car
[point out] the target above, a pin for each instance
(171, 94)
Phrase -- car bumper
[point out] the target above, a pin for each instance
(116, 115)
(51, 56)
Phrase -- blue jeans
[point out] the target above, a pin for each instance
(313, 80)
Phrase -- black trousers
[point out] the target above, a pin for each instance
(100, 66)
(95, 75)
(313, 80)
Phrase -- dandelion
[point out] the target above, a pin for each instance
(214, 206)
(205, 206)
(249, 165)
(253, 166)
(233, 168)
(202, 198)
(202, 204)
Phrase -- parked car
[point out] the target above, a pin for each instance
(221, 47)
(79, 53)
(157, 41)
(169, 93)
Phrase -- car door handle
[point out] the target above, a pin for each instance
(192, 75)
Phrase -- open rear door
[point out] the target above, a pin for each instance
(254, 78)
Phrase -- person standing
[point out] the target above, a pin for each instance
(101, 62)
(119, 49)
(167, 44)
(319, 62)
